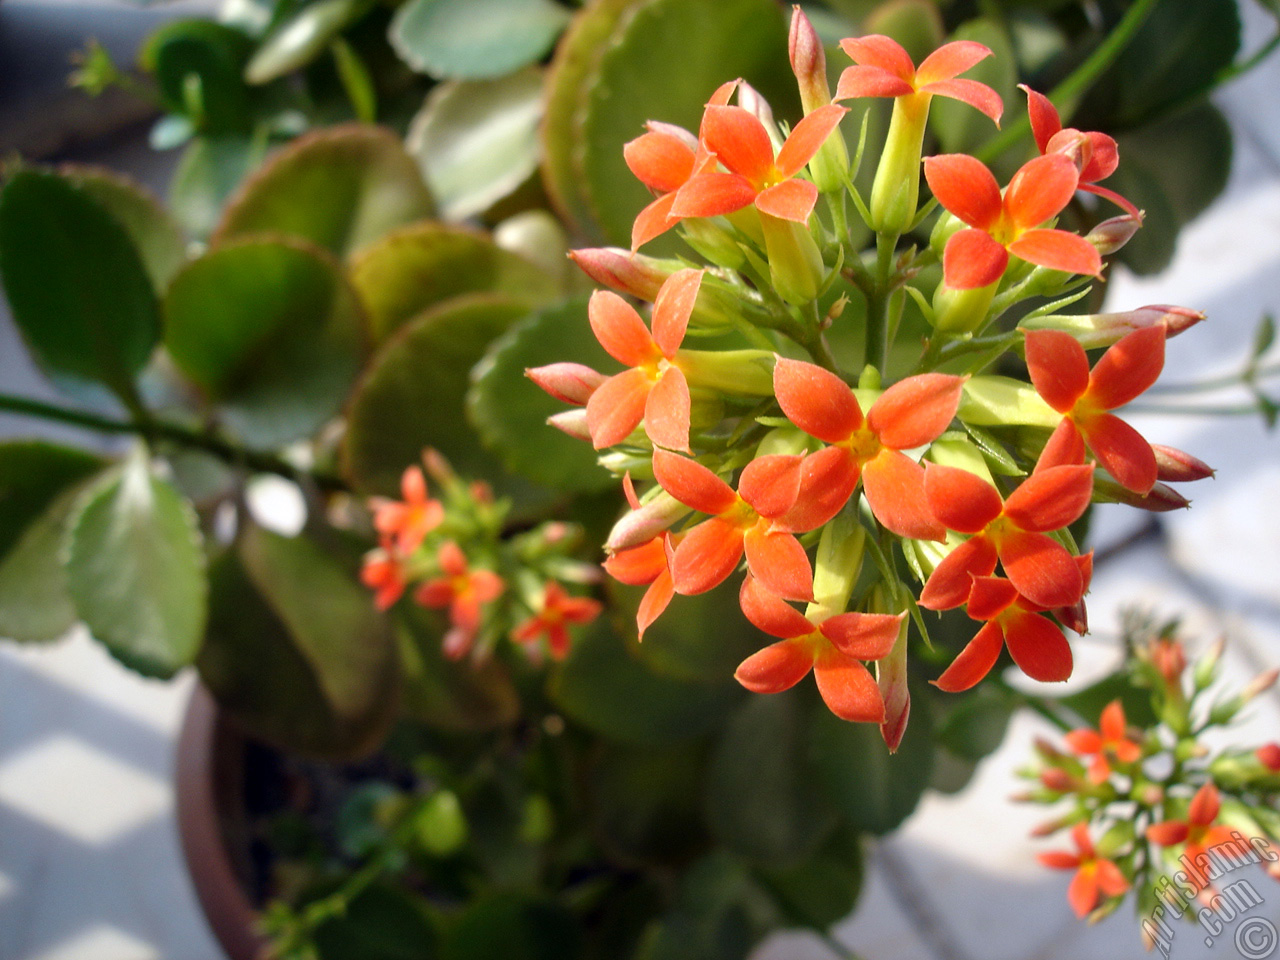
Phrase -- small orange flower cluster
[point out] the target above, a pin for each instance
(454, 550)
(971, 478)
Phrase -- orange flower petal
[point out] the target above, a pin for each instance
(653, 221)
(740, 142)
(1128, 368)
(1058, 366)
(827, 481)
(989, 597)
(975, 94)
(1110, 880)
(816, 400)
(771, 613)
(789, 200)
(1050, 498)
(1083, 892)
(672, 309)
(915, 411)
(1112, 723)
(1043, 115)
(847, 688)
(713, 194)
(877, 50)
(655, 600)
(666, 412)
(1037, 646)
(620, 330)
(1058, 250)
(486, 586)
(779, 666)
(1084, 741)
(706, 556)
(949, 584)
(659, 160)
(780, 564)
(965, 187)
(975, 660)
(869, 81)
(894, 485)
(452, 560)
(806, 137)
(1104, 158)
(1169, 833)
(863, 636)
(1122, 451)
(960, 500)
(1041, 568)
(1204, 806)
(617, 407)
(638, 565)
(1040, 189)
(770, 484)
(691, 483)
(1065, 447)
(951, 60)
(972, 259)
(1059, 859)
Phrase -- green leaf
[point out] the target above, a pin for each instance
(341, 188)
(759, 800)
(916, 24)
(959, 127)
(270, 331)
(197, 66)
(603, 685)
(34, 604)
(511, 926)
(975, 726)
(1089, 703)
(477, 141)
(301, 37)
(510, 411)
(76, 285)
(821, 890)
(155, 234)
(645, 801)
(411, 396)
(873, 789)
(32, 474)
(295, 651)
(425, 264)
(135, 569)
(208, 173)
(699, 638)
(718, 914)
(475, 39)
(384, 922)
(356, 79)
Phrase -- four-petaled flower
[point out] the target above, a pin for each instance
(646, 563)
(911, 413)
(559, 610)
(740, 142)
(884, 69)
(1199, 831)
(1015, 531)
(1008, 224)
(1095, 876)
(1108, 741)
(752, 520)
(464, 591)
(654, 390)
(833, 649)
(383, 572)
(1059, 369)
(406, 522)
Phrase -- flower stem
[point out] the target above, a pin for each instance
(152, 430)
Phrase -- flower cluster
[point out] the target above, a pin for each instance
(1151, 808)
(452, 555)
(953, 477)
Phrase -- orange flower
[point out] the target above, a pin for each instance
(1008, 224)
(911, 413)
(1015, 531)
(654, 390)
(407, 522)
(559, 610)
(1035, 643)
(1060, 372)
(1095, 876)
(1269, 756)
(1094, 154)
(647, 563)
(1108, 741)
(463, 591)
(884, 69)
(752, 520)
(755, 176)
(1199, 832)
(833, 649)
(383, 572)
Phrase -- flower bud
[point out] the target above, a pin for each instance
(1160, 499)
(1177, 466)
(962, 311)
(1103, 329)
(736, 372)
(808, 62)
(567, 382)
(646, 522)
(1058, 780)
(572, 423)
(1206, 669)
(891, 676)
(1260, 684)
(753, 101)
(624, 271)
(838, 562)
(795, 264)
(1110, 235)
(895, 192)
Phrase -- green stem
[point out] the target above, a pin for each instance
(877, 344)
(160, 430)
(1079, 80)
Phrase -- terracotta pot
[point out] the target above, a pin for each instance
(210, 788)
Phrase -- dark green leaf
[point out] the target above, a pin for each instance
(295, 651)
(135, 569)
(959, 127)
(509, 926)
(34, 604)
(198, 65)
(356, 79)
(425, 264)
(916, 24)
(271, 333)
(975, 726)
(341, 188)
(300, 38)
(209, 171)
(384, 922)
(699, 638)
(645, 801)
(718, 914)
(76, 285)
(32, 473)
(1088, 704)
(475, 39)
(822, 889)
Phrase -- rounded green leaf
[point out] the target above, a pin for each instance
(341, 188)
(76, 285)
(301, 37)
(383, 922)
(916, 24)
(32, 474)
(475, 39)
(975, 726)
(135, 569)
(823, 888)
(511, 926)
(645, 801)
(477, 140)
(510, 411)
(412, 395)
(197, 65)
(34, 604)
(210, 170)
(295, 650)
(423, 265)
(959, 127)
(270, 331)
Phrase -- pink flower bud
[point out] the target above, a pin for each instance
(1269, 756)
(1260, 684)
(1161, 499)
(1110, 235)
(646, 522)
(1177, 466)
(567, 382)
(1169, 659)
(624, 271)
(808, 62)
(573, 423)
(891, 677)
(1057, 779)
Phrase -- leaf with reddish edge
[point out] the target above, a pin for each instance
(1058, 250)
(1051, 498)
(847, 688)
(1040, 189)
(780, 564)
(1123, 451)
(975, 660)
(1037, 646)
(1041, 568)
(975, 94)
(894, 485)
(807, 137)
(706, 556)
(864, 636)
(1128, 368)
(965, 187)
(1058, 367)
(771, 613)
(816, 400)
(779, 666)
(712, 194)
(659, 160)
(620, 330)
(916, 410)
(672, 308)
(949, 584)
(972, 259)
(692, 484)
(960, 500)
(770, 484)
(616, 407)
(666, 412)
(827, 481)
(789, 200)
(739, 141)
